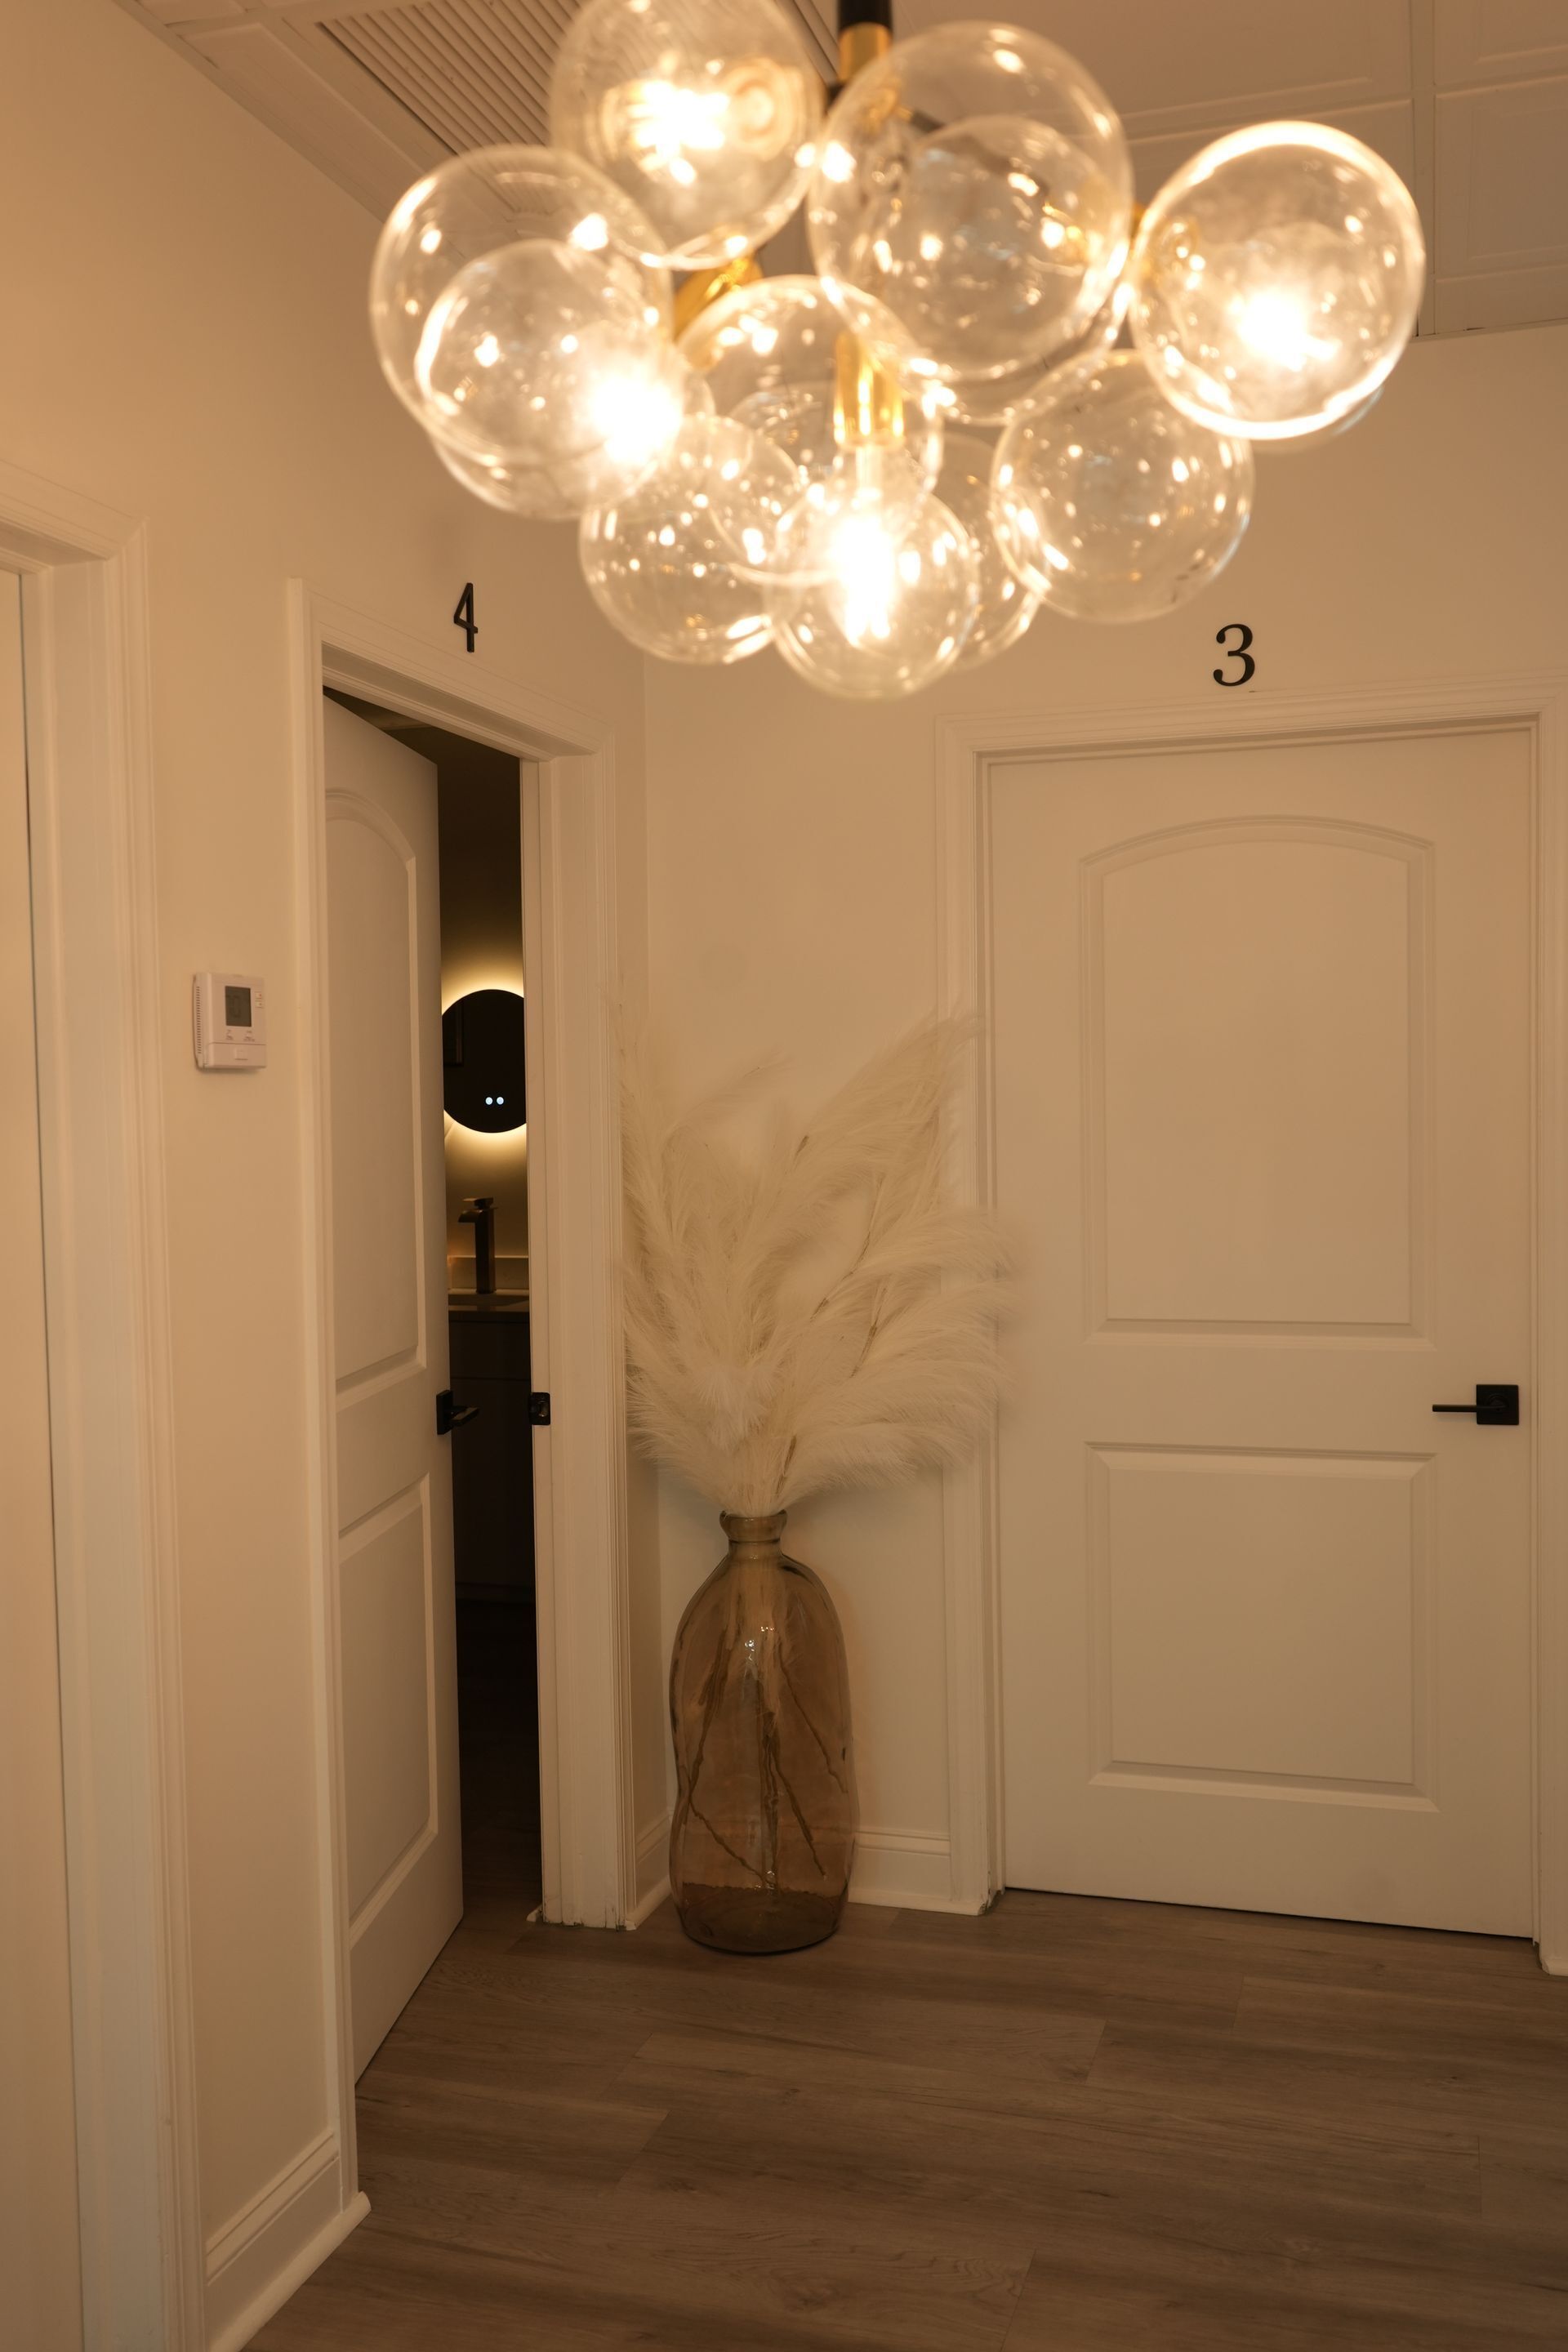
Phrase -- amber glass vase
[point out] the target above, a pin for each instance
(759, 1702)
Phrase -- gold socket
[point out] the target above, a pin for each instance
(860, 46)
(695, 293)
(868, 399)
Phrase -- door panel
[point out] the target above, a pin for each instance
(397, 1636)
(1263, 1120)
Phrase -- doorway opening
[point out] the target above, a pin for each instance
(439, 1633)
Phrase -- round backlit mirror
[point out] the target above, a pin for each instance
(481, 1039)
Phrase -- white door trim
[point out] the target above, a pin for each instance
(90, 789)
(968, 751)
(570, 944)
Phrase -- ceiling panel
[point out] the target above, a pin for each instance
(1499, 40)
(1165, 67)
(1467, 99)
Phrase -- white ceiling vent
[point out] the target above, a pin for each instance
(477, 73)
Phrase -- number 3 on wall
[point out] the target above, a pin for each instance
(463, 617)
(1237, 652)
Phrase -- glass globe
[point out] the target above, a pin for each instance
(513, 316)
(1109, 504)
(573, 480)
(768, 355)
(996, 400)
(705, 112)
(659, 562)
(878, 484)
(1277, 279)
(893, 614)
(1004, 607)
(972, 200)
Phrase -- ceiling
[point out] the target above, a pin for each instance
(1467, 99)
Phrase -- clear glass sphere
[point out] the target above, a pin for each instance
(768, 355)
(1277, 279)
(892, 614)
(660, 561)
(1109, 503)
(1004, 607)
(996, 400)
(704, 113)
(576, 479)
(513, 316)
(972, 201)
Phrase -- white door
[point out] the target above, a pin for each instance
(397, 1635)
(39, 2257)
(1263, 1122)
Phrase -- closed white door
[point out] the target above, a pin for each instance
(397, 1635)
(1263, 1128)
(41, 2298)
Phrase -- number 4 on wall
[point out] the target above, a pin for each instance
(463, 617)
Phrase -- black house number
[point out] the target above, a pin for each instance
(1236, 653)
(463, 617)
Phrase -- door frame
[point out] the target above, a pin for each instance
(581, 1541)
(86, 676)
(969, 751)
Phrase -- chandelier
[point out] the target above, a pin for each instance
(1003, 388)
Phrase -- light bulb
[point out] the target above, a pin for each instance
(639, 430)
(1108, 503)
(1004, 607)
(1277, 279)
(705, 112)
(660, 562)
(971, 206)
(768, 355)
(891, 614)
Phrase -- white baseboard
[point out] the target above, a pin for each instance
(907, 1870)
(257, 2259)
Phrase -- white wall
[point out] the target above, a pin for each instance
(187, 342)
(793, 878)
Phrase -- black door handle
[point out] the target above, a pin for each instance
(448, 1415)
(1496, 1405)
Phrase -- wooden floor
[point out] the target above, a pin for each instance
(1069, 2127)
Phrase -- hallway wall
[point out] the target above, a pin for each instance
(792, 873)
(188, 344)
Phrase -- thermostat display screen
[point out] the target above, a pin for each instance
(228, 1019)
(237, 1007)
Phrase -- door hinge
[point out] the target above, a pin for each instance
(539, 1408)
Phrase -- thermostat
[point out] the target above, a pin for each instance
(228, 1015)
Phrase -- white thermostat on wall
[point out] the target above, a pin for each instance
(229, 1015)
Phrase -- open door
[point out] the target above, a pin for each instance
(397, 1641)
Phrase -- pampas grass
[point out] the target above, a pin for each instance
(810, 1313)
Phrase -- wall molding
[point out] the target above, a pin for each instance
(581, 1542)
(91, 822)
(905, 1870)
(968, 750)
(268, 2249)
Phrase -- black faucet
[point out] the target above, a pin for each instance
(481, 1214)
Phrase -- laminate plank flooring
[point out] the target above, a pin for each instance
(1073, 2126)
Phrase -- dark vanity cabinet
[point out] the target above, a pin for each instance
(492, 1452)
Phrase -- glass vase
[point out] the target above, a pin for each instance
(759, 1701)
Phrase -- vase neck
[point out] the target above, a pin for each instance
(756, 1534)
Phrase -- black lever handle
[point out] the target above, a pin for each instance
(448, 1415)
(1496, 1405)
